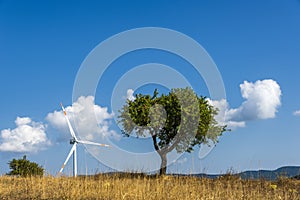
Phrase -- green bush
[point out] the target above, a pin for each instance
(23, 167)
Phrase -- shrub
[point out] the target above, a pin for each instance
(23, 167)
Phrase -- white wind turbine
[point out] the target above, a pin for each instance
(75, 141)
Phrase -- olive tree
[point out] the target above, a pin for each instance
(178, 120)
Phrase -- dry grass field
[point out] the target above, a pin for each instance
(146, 187)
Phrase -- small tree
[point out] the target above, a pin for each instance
(179, 120)
(24, 168)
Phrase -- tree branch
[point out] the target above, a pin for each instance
(155, 143)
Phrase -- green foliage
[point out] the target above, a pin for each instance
(25, 168)
(179, 120)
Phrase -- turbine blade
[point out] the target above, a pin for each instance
(68, 157)
(68, 121)
(93, 143)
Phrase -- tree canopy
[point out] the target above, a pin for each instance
(178, 120)
(24, 168)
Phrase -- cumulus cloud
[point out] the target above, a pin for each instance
(28, 136)
(296, 113)
(222, 118)
(262, 100)
(91, 121)
(129, 95)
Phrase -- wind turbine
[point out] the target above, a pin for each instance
(74, 141)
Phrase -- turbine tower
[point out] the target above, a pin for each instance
(74, 141)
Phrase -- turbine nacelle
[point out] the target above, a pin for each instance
(73, 141)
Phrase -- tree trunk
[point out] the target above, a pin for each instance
(163, 156)
(163, 165)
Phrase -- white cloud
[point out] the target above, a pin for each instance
(129, 95)
(262, 100)
(22, 121)
(222, 118)
(91, 121)
(28, 136)
(296, 113)
(233, 124)
(222, 106)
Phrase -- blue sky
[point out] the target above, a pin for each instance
(43, 44)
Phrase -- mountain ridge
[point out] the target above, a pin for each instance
(285, 171)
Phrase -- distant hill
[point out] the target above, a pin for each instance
(288, 171)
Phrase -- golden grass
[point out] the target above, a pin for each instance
(146, 187)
